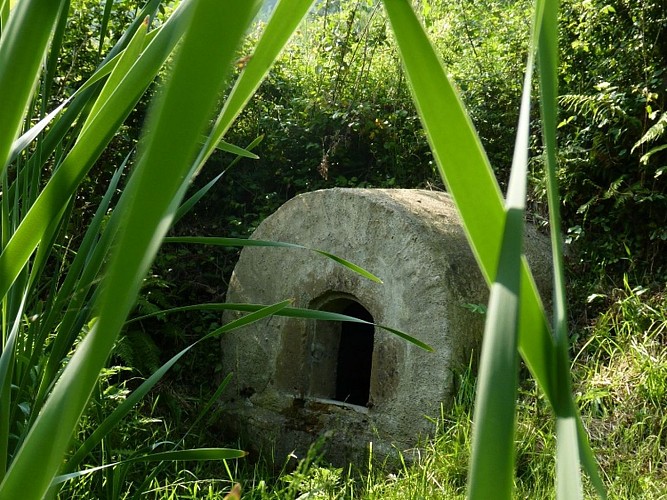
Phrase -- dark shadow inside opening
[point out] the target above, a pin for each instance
(355, 357)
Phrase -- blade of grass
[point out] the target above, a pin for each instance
(572, 447)
(285, 18)
(289, 312)
(81, 158)
(120, 70)
(24, 141)
(104, 25)
(235, 150)
(4, 15)
(492, 463)
(54, 51)
(6, 367)
(62, 127)
(467, 174)
(469, 178)
(140, 392)
(72, 305)
(240, 242)
(193, 454)
(23, 46)
(187, 205)
(213, 400)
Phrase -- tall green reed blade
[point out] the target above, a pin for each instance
(289, 312)
(71, 306)
(6, 368)
(193, 454)
(4, 14)
(89, 145)
(285, 18)
(47, 85)
(492, 464)
(22, 48)
(53, 139)
(241, 242)
(467, 173)
(188, 204)
(124, 408)
(572, 448)
(124, 64)
(214, 30)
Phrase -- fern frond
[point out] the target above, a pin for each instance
(644, 159)
(601, 108)
(655, 132)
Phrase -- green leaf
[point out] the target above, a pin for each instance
(285, 18)
(470, 181)
(469, 178)
(656, 131)
(71, 306)
(291, 312)
(57, 192)
(24, 141)
(646, 157)
(240, 242)
(235, 150)
(23, 47)
(193, 454)
(187, 205)
(6, 368)
(121, 68)
(138, 394)
(492, 463)
(197, 454)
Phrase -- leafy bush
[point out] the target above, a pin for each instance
(335, 110)
(612, 163)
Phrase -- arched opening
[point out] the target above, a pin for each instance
(342, 355)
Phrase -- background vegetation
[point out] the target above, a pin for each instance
(335, 110)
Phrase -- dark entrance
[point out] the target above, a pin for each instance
(341, 354)
(355, 356)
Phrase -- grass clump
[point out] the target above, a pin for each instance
(622, 390)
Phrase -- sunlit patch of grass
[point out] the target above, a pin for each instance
(622, 390)
(186, 485)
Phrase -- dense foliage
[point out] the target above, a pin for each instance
(614, 90)
(335, 111)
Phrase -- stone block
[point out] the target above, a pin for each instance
(295, 380)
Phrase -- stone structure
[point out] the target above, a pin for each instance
(295, 379)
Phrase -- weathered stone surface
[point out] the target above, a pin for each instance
(288, 386)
